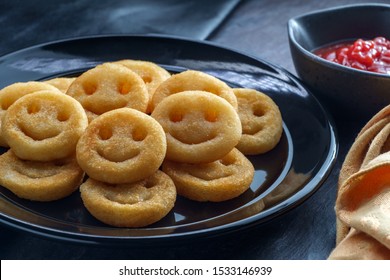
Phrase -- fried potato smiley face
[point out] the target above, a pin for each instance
(261, 120)
(121, 146)
(44, 126)
(40, 181)
(107, 87)
(217, 181)
(200, 126)
(13, 92)
(135, 204)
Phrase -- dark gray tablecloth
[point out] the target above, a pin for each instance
(25, 23)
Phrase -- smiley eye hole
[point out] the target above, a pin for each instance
(124, 88)
(62, 116)
(33, 108)
(138, 134)
(211, 116)
(105, 133)
(147, 79)
(89, 88)
(149, 184)
(258, 111)
(175, 116)
(5, 104)
(227, 161)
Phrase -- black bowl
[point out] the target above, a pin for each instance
(347, 92)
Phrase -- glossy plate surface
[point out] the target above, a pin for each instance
(284, 177)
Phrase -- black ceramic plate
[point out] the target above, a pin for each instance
(284, 177)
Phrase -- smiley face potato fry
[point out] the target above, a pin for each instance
(217, 181)
(44, 126)
(261, 120)
(13, 92)
(200, 126)
(40, 181)
(130, 205)
(121, 146)
(107, 87)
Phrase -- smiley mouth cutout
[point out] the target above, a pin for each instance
(38, 135)
(215, 171)
(98, 106)
(130, 196)
(185, 139)
(129, 154)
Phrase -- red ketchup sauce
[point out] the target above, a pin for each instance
(369, 55)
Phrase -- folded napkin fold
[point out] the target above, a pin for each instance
(363, 199)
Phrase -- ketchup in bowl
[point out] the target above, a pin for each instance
(370, 55)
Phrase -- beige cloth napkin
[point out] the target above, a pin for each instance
(363, 199)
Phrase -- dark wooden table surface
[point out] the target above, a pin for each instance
(257, 28)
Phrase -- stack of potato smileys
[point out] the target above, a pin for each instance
(131, 136)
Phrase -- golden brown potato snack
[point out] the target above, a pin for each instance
(13, 92)
(217, 181)
(107, 87)
(200, 126)
(44, 126)
(261, 121)
(130, 205)
(40, 181)
(121, 146)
